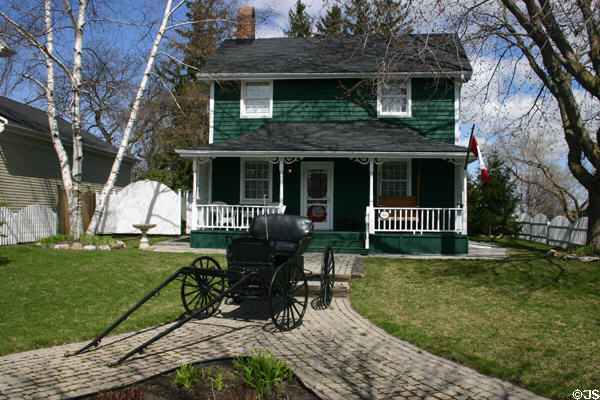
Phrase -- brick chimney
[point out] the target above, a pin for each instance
(245, 23)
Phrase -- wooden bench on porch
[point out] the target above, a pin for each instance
(399, 202)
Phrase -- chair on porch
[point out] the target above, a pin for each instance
(220, 216)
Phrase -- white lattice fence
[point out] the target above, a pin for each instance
(558, 232)
(32, 223)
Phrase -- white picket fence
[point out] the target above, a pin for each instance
(31, 224)
(557, 232)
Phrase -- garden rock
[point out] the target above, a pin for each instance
(104, 247)
(580, 258)
(89, 247)
(76, 246)
(38, 244)
(119, 244)
(60, 246)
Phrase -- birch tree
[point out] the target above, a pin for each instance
(39, 32)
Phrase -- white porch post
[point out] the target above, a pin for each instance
(194, 222)
(460, 185)
(369, 218)
(280, 185)
(464, 202)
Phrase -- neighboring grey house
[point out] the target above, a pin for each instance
(5, 50)
(29, 170)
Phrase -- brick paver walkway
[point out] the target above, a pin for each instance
(335, 352)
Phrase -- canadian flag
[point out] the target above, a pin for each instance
(477, 152)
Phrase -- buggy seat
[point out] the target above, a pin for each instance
(288, 234)
(274, 239)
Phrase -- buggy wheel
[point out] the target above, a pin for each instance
(288, 296)
(199, 289)
(327, 276)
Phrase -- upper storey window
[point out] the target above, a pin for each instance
(256, 100)
(393, 98)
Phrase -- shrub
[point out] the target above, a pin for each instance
(54, 239)
(262, 370)
(491, 210)
(185, 376)
(95, 240)
(583, 251)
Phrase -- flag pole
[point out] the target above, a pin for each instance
(469, 146)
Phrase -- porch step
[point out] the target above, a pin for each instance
(340, 289)
(340, 241)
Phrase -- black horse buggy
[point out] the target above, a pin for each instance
(266, 265)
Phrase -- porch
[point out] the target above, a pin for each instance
(402, 197)
(406, 230)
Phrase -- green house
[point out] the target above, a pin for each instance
(358, 133)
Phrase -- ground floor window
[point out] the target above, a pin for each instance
(256, 181)
(394, 178)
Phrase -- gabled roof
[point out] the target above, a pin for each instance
(373, 138)
(36, 120)
(421, 55)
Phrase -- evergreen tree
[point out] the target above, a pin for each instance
(491, 210)
(365, 17)
(358, 17)
(300, 21)
(187, 121)
(332, 24)
(391, 17)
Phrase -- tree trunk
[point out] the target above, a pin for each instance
(593, 212)
(112, 177)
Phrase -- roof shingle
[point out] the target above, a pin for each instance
(425, 54)
(372, 136)
(36, 120)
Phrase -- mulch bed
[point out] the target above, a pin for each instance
(162, 387)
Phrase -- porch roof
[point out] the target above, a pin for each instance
(373, 138)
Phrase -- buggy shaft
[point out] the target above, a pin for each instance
(220, 297)
(96, 341)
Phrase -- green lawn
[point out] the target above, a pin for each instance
(529, 319)
(50, 297)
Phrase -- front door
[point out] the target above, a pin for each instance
(317, 193)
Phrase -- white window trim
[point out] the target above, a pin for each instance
(406, 114)
(408, 173)
(244, 114)
(243, 199)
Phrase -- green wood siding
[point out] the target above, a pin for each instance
(334, 100)
(350, 195)
(436, 187)
(437, 182)
(226, 181)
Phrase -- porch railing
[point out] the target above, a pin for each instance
(231, 216)
(414, 220)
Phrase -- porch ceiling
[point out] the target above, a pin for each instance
(375, 138)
